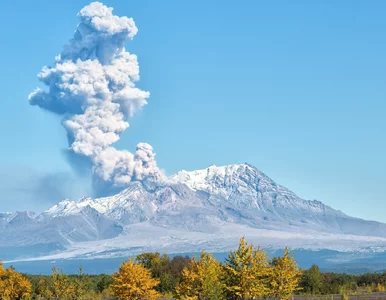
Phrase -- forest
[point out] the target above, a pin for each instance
(247, 273)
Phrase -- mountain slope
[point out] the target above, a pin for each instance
(259, 197)
(189, 211)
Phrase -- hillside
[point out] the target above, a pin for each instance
(209, 208)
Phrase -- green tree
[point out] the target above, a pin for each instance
(157, 264)
(154, 262)
(168, 271)
(246, 272)
(312, 280)
(103, 283)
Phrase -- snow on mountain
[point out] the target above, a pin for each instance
(25, 229)
(208, 208)
(5, 218)
(265, 204)
(245, 186)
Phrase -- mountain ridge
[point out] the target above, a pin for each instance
(194, 207)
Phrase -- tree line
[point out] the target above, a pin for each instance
(247, 273)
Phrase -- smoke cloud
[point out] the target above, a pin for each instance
(26, 188)
(92, 85)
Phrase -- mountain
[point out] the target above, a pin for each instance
(204, 209)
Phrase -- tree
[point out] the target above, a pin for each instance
(42, 289)
(168, 271)
(154, 262)
(13, 285)
(312, 280)
(177, 265)
(246, 272)
(104, 282)
(158, 264)
(61, 287)
(81, 285)
(285, 276)
(133, 281)
(201, 280)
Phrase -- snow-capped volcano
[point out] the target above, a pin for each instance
(191, 210)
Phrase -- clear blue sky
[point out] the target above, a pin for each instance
(296, 88)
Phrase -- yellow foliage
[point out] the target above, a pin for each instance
(81, 285)
(42, 289)
(247, 272)
(61, 287)
(344, 296)
(13, 285)
(133, 281)
(285, 276)
(201, 280)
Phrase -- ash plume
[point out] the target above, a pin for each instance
(92, 85)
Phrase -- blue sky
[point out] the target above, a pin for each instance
(296, 88)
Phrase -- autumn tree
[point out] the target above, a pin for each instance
(81, 285)
(13, 285)
(42, 289)
(133, 281)
(61, 286)
(285, 276)
(202, 280)
(247, 272)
